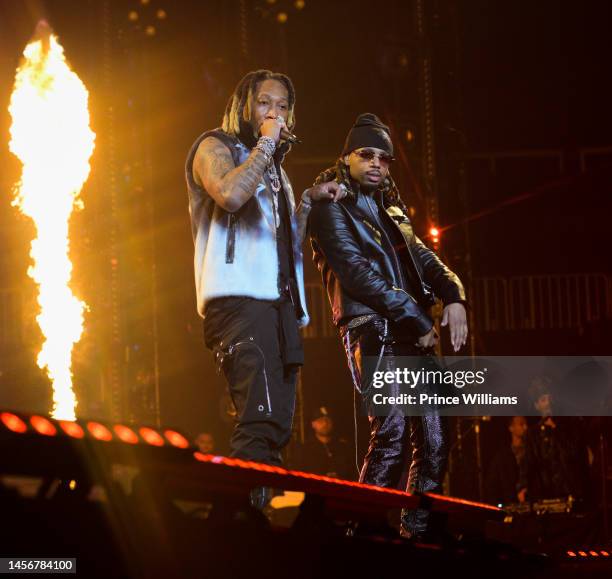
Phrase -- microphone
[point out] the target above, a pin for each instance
(285, 134)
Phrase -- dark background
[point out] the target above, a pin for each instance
(531, 78)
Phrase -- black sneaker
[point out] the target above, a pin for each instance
(260, 497)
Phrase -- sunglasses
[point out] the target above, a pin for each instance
(367, 155)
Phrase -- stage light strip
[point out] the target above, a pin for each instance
(151, 436)
(588, 553)
(125, 434)
(99, 431)
(94, 429)
(13, 422)
(176, 439)
(236, 462)
(72, 429)
(43, 426)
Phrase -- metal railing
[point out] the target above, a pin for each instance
(542, 302)
(560, 156)
(528, 302)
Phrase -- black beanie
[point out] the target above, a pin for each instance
(368, 131)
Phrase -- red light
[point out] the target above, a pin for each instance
(151, 436)
(72, 429)
(13, 422)
(594, 553)
(571, 553)
(605, 553)
(99, 431)
(582, 554)
(43, 426)
(125, 434)
(434, 234)
(176, 439)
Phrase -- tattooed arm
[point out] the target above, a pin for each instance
(230, 187)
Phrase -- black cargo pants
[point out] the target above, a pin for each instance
(257, 345)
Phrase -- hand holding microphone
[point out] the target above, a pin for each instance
(276, 128)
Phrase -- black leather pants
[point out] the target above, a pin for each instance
(396, 439)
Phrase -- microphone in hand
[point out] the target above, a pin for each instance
(290, 137)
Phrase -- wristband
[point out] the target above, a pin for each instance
(267, 146)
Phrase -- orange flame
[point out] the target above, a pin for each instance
(50, 135)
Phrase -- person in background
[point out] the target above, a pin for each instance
(555, 464)
(503, 477)
(205, 443)
(324, 453)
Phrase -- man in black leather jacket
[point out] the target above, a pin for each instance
(381, 280)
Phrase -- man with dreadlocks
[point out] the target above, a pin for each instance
(379, 278)
(248, 259)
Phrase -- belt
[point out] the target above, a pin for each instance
(360, 320)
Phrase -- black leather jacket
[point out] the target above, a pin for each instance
(361, 277)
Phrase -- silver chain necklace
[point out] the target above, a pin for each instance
(276, 187)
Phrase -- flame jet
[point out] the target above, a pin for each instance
(50, 135)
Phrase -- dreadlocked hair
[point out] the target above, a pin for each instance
(238, 106)
(340, 173)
